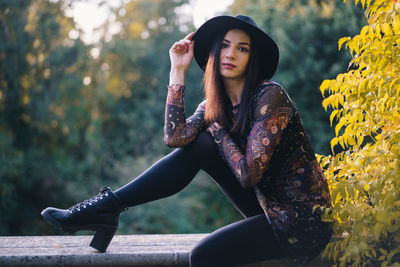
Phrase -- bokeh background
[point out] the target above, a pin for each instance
(78, 113)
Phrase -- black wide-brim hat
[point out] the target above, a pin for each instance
(206, 34)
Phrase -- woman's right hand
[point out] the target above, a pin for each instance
(181, 53)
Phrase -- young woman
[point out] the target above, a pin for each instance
(247, 135)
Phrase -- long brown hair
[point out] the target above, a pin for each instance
(218, 107)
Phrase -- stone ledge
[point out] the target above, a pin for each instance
(124, 250)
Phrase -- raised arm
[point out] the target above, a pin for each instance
(178, 131)
(272, 113)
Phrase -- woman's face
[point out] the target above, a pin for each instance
(235, 54)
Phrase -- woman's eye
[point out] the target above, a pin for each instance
(243, 49)
(224, 45)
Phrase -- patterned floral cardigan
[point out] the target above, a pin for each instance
(278, 163)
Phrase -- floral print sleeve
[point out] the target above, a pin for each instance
(273, 111)
(178, 131)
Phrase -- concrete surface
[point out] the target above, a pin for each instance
(124, 250)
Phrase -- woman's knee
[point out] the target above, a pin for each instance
(203, 145)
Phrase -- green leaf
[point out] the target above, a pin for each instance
(383, 251)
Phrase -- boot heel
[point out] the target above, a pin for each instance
(102, 238)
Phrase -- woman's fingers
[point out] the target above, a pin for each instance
(178, 48)
(189, 36)
(185, 41)
(181, 47)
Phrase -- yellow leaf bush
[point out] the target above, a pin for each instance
(364, 178)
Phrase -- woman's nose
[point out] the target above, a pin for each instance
(230, 53)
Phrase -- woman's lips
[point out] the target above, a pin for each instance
(228, 65)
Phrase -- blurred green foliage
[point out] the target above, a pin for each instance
(71, 122)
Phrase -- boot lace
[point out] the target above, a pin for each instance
(89, 202)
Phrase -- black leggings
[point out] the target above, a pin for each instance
(246, 241)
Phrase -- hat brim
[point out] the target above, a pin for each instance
(206, 34)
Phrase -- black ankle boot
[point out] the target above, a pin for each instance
(100, 214)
